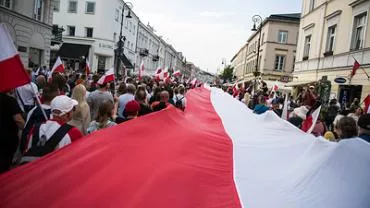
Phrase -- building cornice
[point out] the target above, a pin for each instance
(356, 2)
(309, 26)
(334, 14)
(24, 17)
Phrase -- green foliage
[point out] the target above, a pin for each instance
(227, 73)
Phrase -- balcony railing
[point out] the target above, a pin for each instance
(57, 34)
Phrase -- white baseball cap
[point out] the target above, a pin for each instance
(62, 103)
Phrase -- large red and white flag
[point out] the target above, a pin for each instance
(87, 67)
(193, 82)
(231, 158)
(12, 72)
(107, 77)
(309, 124)
(141, 70)
(356, 66)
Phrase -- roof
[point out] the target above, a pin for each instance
(291, 17)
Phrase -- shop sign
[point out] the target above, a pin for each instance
(340, 80)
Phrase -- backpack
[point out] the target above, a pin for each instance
(41, 146)
(178, 103)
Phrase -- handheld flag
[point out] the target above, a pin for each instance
(12, 72)
(141, 70)
(87, 67)
(107, 77)
(58, 67)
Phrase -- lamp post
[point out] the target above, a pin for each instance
(257, 19)
(122, 39)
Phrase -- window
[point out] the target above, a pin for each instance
(312, 5)
(132, 46)
(90, 7)
(130, 26)
(114, 37)
(6, 3)
(331, 38)
(56, 5)
(279, 62)
(72, 6)
(263, 38)
(89, 32)
(38, 10)
(307, 46)
(133, 31)
(116, 15)
(283, 37)
(71, 30)
(358, 34)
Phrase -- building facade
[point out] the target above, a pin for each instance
(238, 62)
(332, 35)
(279, 34)
(30, 24)
(92, 30)
(148, 46)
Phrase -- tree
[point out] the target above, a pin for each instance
(227, 73)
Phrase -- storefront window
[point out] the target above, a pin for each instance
(101, 63)
(34, 57)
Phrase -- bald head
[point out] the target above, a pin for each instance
(165, 96)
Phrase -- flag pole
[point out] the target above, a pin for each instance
(39, 103)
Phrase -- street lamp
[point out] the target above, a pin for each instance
(257, 19)
(122, 39)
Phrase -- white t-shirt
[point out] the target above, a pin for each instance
(26, 95)
(122, 101)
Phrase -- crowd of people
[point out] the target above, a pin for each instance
(74, 105)
(335, 121)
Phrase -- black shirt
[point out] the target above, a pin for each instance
(144, 109)
(8, 128)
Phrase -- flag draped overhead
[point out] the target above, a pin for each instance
(12, 72)
(107, 77)
(216, 154)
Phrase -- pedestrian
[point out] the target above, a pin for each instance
(333, 110)
(261, 107)
(11, 122)
(180, 100)
(36, 115)
(97, 98)
(346, 128)
(141, 98)
(26, 95)
(55, 133)
(310, 97)
(60, 81)
(163, 102)
(364, 127)
(356, 114)
(354, 105)
(131, 111)
(125, 98)
(276, 107)
(104, 117)
(81, 116)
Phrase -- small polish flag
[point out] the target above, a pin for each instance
(158, 71)
(87, 67)
(12, 72)
(107, 77)
(356, 66)
(309, 124)
(58, 67)
(177, 73)
(141, 70)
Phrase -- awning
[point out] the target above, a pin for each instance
(126, 62)
(281, 85)
(75, 51)
(299, 83)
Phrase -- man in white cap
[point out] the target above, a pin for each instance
(55, 133)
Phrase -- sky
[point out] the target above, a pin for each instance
(208, 31)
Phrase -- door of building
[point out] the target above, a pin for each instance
(349, 92)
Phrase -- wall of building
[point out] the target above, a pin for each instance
(339, 64)
(27, 32)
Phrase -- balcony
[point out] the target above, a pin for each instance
(56, 35)
(144, 52)
(155, 58)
